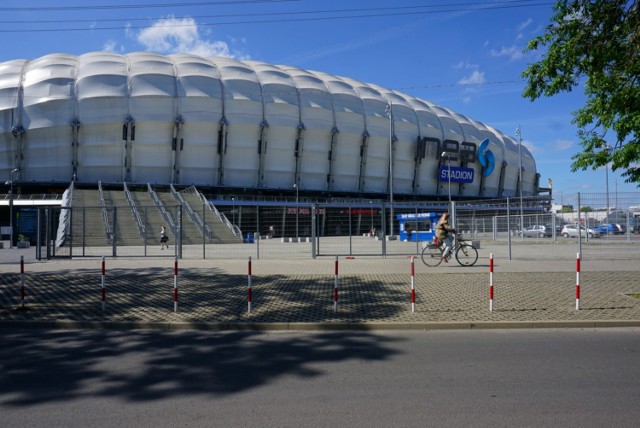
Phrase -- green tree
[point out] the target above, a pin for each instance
(595, 45)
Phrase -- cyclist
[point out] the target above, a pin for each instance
(445, 233)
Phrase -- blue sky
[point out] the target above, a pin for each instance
(462, 54)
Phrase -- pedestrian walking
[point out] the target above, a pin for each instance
(164, 239)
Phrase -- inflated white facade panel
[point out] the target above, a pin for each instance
(281, 111)
(200, 91)
(185, 119)
(102, 88)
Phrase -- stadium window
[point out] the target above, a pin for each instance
(451, 147)
(468, 152)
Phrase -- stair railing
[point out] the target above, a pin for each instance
(134, 211)
(105, 215)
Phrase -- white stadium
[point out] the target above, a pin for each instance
(222, 123)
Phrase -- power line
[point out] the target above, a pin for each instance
(138, 6)
(235, 15)
(273, 21)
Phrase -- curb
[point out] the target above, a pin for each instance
(297, 326)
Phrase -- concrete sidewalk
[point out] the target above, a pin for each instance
(373, 293)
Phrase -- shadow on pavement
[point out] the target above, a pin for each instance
(40, 366)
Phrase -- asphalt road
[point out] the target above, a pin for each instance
(111, 378)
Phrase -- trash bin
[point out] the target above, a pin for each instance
(249, 239)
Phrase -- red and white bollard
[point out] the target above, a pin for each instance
(335, 288)
(104, 290)
(22, 293)
(491, 282)
(249, 287)
(175, 285)
(578, 282)
(413, 288)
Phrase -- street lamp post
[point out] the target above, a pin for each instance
(389, 112)
(233, 211)
(10, 183)
(446, 155)
(519, 135)
(295, 186)
(371, 215)
(606, 178)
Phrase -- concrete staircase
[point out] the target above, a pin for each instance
(125, 228)
(150, 216)
(88, 226)
(191, 234)
(93, 224)
(222, 234)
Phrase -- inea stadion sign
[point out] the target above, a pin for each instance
(458, 174)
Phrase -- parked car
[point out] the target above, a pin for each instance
(609, 229)
(571, 231)
(536, 231)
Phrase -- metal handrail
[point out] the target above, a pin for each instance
(163, 211)
(223, 219)
(134, 210)
(33, 197)
(205, 229)
(105, 214)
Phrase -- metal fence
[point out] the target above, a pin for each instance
(232, 229)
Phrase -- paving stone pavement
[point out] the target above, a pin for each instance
(373, 293)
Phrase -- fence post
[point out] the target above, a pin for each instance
(335, 288)
(204, 232)
(578, 282)
(104, 290)
(114, 236)
(383, 226)
(22, 291)
(314, 232)
(491, 282)
(249, 286)
(257, 239)
(175, 285)
(509, 227)
(579, 222)
(84, 229)
(350, 231)
(413, 289)
(179, 252)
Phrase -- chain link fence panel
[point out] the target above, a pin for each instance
(511, 228)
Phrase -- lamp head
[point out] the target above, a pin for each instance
(444, 154)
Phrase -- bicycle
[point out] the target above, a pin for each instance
(465, 253)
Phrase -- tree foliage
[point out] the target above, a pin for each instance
(595, 45)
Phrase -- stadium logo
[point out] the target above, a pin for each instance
(486, 158)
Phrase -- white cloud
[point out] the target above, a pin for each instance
(109, 46)
(525, 24)
(563, 144)
(475, 78)
(181, 35)
(463, 65)
(531, 147)
(513, 52)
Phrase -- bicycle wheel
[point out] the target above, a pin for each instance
(431, 255)
(466, 255)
